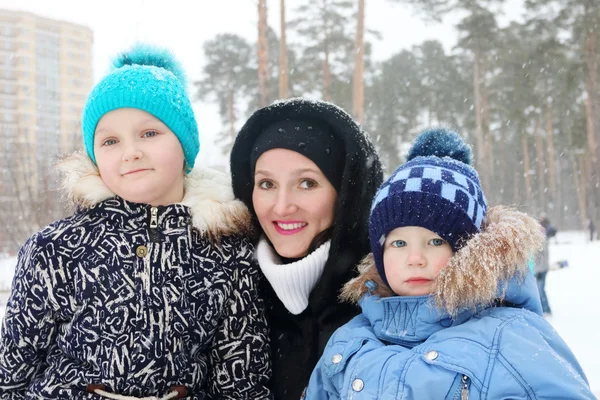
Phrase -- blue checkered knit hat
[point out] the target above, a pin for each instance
(150, 79)
(436, 189)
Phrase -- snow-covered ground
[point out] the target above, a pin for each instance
(574, 296)
(573, 292)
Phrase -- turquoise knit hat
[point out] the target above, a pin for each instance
(150, 79)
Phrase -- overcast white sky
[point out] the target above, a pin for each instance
(183, 26)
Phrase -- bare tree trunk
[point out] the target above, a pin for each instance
(283, 56)
(263, 53)
(539, 156)
(17, 218)
(589, 114)
(591, 87)
(578, 164)
(502, 164)
(29, 200)
(479, 133)
(490, 165)
(591, 108)
(231, 113)
(591, 150)
(485, 126)
(527, 172)
(551, 164)
(326, 78)
(560, 213)
(359, 65)
(326, 69)
(517, 188)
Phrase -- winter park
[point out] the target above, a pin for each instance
(300, 199)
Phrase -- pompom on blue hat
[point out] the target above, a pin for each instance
(437, 189)
(148, 78)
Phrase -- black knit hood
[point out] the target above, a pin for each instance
(362, 175)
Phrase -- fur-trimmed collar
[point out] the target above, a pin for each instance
(208, 194)
(478, 271)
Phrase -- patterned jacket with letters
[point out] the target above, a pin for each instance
(138, 299)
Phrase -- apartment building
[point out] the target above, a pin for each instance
(45, 77)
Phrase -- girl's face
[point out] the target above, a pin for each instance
(293, 201)
(412, 258)
(140, 159)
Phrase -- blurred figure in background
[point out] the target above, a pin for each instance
(542, 265)
(590, 227)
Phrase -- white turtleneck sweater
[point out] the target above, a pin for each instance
(292, 282)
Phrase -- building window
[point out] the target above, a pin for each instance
(9, 88)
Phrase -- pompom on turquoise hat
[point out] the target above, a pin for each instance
(148, 78)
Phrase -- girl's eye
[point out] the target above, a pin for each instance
(109, 142)
(398, 243)
(437, 242)
(308, 184)
(150, 134)
(266, 185)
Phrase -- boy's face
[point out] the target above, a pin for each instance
(140, 159)
(412, 259)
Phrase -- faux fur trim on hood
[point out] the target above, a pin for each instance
(475, 273)
(208, 194)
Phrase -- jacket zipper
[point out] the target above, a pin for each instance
(464, 395)
(154, 232)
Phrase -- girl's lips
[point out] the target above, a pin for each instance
(288, 224)
(135, 171)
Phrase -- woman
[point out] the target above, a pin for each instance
(308, 173)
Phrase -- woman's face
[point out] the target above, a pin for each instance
(293, 200)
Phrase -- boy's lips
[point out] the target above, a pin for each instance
(418, 280)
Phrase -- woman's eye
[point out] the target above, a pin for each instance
(109, 142)
(437, 242)
(265, 185)
(398, 243)
(150, 134)
(308, 184)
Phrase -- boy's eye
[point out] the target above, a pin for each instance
(266, 185)
(150, 134)
(398, 243)
(437, 242)
(109, 142)
(308, 184)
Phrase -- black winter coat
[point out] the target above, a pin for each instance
(297, 341)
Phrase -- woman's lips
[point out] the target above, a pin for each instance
(289, 227)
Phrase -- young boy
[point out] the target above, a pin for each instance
(148, 290)
(449, 309)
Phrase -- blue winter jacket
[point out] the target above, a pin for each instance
(137, 300)
(475, 338)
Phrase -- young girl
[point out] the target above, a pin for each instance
(308, 173)
(148, 290)
(449, 308)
